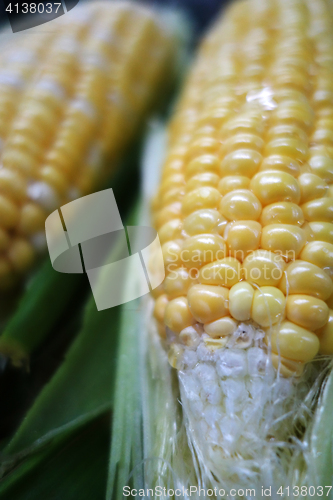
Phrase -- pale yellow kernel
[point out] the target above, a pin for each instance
(263, 268)
(287, 130)
(167, 213)
(225, 272)
(240, 301)
(323, 167)
(242, 238)
(232, 182)
(312, 187)
(283, 212)
(240, 204)
(286, 239)
(319, 253)
(221, 327)
(241, 162)
(268, 306)
(320, 209)
(322, 231)
(302, 277)
(322, 136)
(201, 146)
(20, 161)
(179, 281)
(287, 367)
(20, 254)
(12, 184)
(208, 302)
(287, 146)
(173, 166)
(202, 164)
(177, 315)
(201, 249)
(205, 221)
(171, 255)
(172, 196)
(306, 311)
(171, 181)
(159, 307)
(325, 335)
(274, 186)
(205, 197)
(294, 342)
(174, 354)
(9, 213)
(202, 180)
(171, 230)
(293, 112)
(32, 219)
(241, 141)
(281, 163)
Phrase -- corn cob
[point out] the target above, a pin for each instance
(70, 100)
(244, 213)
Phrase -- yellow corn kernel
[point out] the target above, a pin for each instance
(283, 212)
(168, 213)
(268, 306)
(178, 282)
(207, 302)
(201, 249)
(286, 239)
(225, 272)
(205, 221)
(172, 181)
(325, 335)
(171, 230)
(20, 254)
(206, 179)
(274, 186)
(320, 209)
(323, 167)
(294, 342)
(263, 268)
(322, 231)
(319, 253)
(241, 162)
(9, 213)
(307, 311)
(177, 315)
(160, 306)
(240, 301)
(287, 367)
(12, 184)
(302, 277)
(202, 164)
(32, 219)
(171, 251)
(242, 237)
(312, 187)
(174, 353)
(241, 141)
(282, 164)
(232, 182)
(240, 204)
(205, 197)
(285, 130)
(201, 146)
(295, 148)
(293, 112)
(221, 327)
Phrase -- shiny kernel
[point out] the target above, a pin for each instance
(263, 268)
(205, 221)
(201, 249)
(232, 182)
(201, 146)
(241, 162)
(225, 272)
(243, 237)
(171, 254)
(325, 336)
(282, 164)
(312, 187)
(32, 219)
(172, 196)
(283, 212)
(159, 307)
(323, 167)
(286, 239)
(320, 209)
(306, 311)
(268, 306)
(293, 112)
(172, 181)
(319, 253)
(177, 315)
(9, 213)
(240, 301)
(287, 146)
(285, 130)
(274, 186)
(241, 141)
(294, 342)
(202, 164)
(287, 367)
(21, 255)
(207, 302)
(206, 179)
(167, 213)
(205, 197)
(302, 277)
(322, 231)
(178, 282)
(221, 327)
(322, 136)
(241, 204)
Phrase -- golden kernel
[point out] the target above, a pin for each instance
(241, 204)
(286, 239)
(224, 272)
(263, 268)
(201, 249)
(21, 255)
(282, 164)
(241, 162)
(168, 213)
(202, 164)
(178, 282)
(311, 187)
(319, 253)
(221, 327)
(325, 335)
(302, 277)
(287, 367)
(287, 146)
(294, 342)
(320, 209)
(306, 311)
(232, 182)
(171, 255)
(32, 219)
(240, 301)
(268, 306)
(202, 180)
(275, 186)
(159, 307)
(323, 167)
(322, 231)
(241, 141)
(283, 212)
(204, 221)
(177, 315)
(9, 213)
(243, 237)
(208, 302)
(205, 197)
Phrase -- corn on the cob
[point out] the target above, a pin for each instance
(244, 212)
(69, 99)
